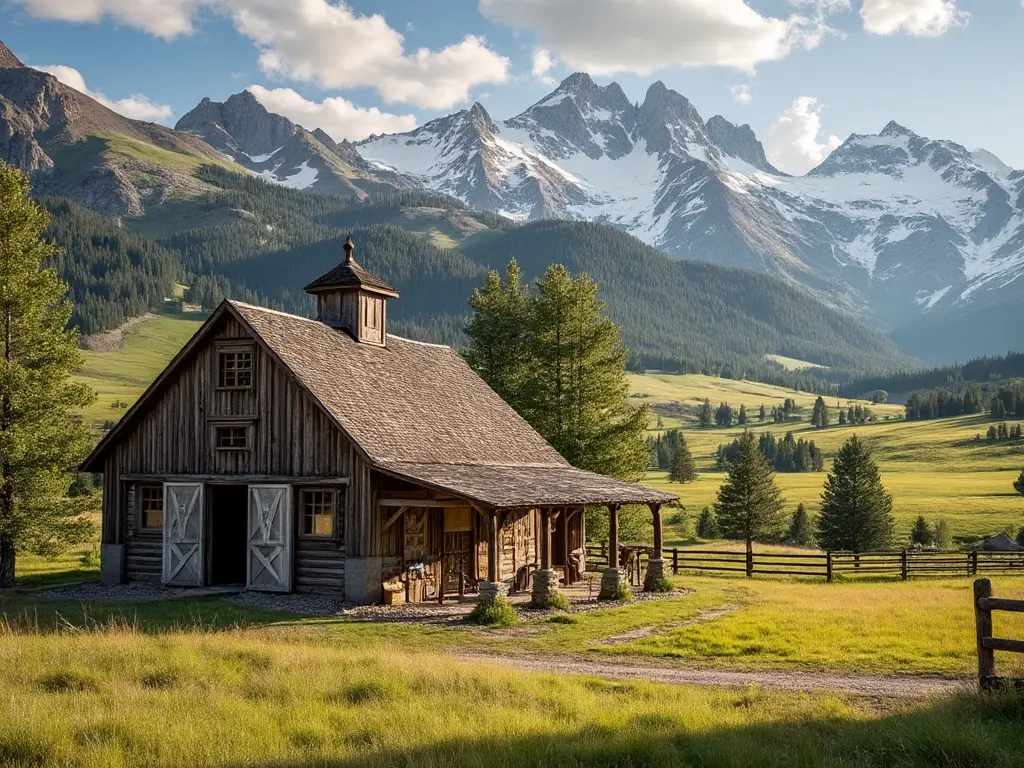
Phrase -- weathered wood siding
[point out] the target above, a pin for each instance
(143, 549)
(319, 565)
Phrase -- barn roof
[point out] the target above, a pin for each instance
(416, 411)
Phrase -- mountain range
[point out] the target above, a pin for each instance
(902, 232)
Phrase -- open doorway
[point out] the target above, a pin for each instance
(228, 511)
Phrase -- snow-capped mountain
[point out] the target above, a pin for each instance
(890, 225)
(282, 152)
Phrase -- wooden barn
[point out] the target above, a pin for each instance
(284, 453)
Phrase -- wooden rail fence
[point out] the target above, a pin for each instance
(984, 604)
(903, 563)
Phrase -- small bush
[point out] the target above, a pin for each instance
(69, 681)
(563, 618)
(1018, 484)
(622, 594)
(500, 613)
(555, 601)
(664, 584)
(362, 693)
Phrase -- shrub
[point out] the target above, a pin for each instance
(664, 584)
(1018, 484)
(622, 594)
(500, 613)
(556, 601)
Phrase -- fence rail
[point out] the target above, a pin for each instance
(903, 563)
(984, 604)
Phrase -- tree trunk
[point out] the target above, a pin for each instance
(6, 563)
(750, 558)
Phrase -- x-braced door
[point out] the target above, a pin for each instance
(269, 565)
(183, 534)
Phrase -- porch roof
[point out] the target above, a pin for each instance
(525, 485)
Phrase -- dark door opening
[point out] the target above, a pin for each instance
(228, 509)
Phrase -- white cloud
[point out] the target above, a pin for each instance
(914, 17)
(542, 64)
(163, 18)
(608, 36)
(341, 119)
(314, 41)
(793, 144)
(741, 93)
(137, 106)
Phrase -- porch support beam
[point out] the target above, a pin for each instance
(655, 581)
(391, 520)
(613, 579)
(427, 503)
(545, 540)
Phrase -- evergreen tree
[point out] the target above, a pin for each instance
(682, 469)
(856, 512)
(842, 417)
(707, 524)
(42, 436)
(741, 419)
(706, 416)
(761, 416)
(1018, 484)
(943, 535)
(819, 406)
(749, 505)
(576, 393)
(921, 533)
(801, 531)
(499, 333)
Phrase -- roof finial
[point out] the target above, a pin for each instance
(349, 247)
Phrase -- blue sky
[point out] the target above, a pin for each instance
(802, 73)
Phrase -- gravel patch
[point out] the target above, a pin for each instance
(94, 590)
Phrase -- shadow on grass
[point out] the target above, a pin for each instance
(960, 732)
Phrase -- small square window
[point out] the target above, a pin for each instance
(232, 438)
(235, 369)
(317, 510)
(151, 507)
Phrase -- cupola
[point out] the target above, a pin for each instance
(349, 297)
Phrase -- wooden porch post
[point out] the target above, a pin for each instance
(659, 538)
(493, 548)
(545, 541)
(655, 580)
(613, 535)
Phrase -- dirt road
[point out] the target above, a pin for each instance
(884, 686)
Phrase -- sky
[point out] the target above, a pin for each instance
(804, 74)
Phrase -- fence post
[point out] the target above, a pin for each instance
(750, 563)
(983, 624)
(675, 561)
(828, 566)
(974, 562)
(903, 564)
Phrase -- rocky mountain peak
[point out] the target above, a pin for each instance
(239, 124)
(892, 128)
(7, 59)
(740, 142)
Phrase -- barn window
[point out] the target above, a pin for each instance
(151, 507)
(231, 438)
(317, 512)
(234, 369)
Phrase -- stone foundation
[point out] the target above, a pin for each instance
(655, 573)
(611, 580)
(545, 585)
(489, 591)
(363, 580)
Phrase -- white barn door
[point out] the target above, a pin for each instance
(183, 534)
(269, 566)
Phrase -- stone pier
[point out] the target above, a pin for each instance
(545, 586)
(611, 581)
(655, 574)
(489, 591)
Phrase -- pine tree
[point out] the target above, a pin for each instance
(1018, 484)
(42, 436)
(682, 468)
(742, 418)
(921, 533)
(819, 406)
(762, 415)
(577, 393)
(943, 535)
(856, 512)
(706, 415)
(801, 531)
(842, 417)
(749, 505)
(500, 349)
(707, 524)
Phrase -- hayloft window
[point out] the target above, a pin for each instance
(231, 438)
(234, 368)
(317, 512)
(151, 507)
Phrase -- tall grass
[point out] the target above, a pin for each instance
(118, 697)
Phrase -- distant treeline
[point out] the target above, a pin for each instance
(1005, 399)
(979, 370)
(786, 455)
